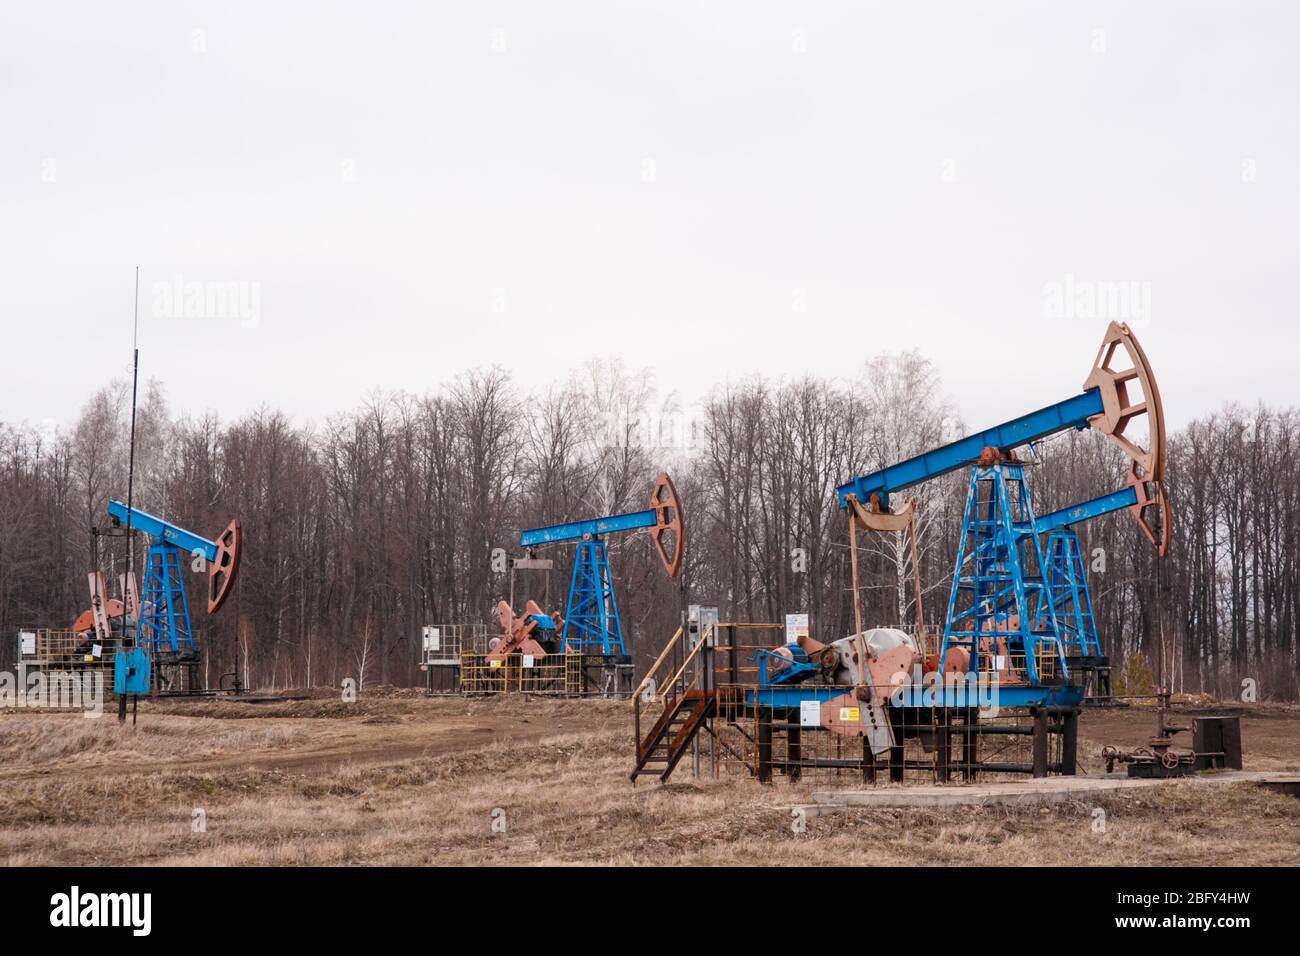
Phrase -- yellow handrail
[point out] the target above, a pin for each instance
(689, 657)
(654, 668)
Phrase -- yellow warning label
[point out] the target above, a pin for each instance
(494, 663)
(850, 714)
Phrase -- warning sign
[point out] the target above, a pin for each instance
(796, 626)
(850, 715)
(432, 637)
(810, 713)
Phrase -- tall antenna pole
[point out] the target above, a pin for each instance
(130, 501)
(130, 467)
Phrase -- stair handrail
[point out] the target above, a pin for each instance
(654, 668)
(674, 694)
(685, 664)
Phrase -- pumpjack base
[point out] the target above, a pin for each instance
(607, 675)
(1093, 673)
(950, 737)
(178, 676)
(572, 675)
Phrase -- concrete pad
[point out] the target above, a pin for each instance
(1032, 792)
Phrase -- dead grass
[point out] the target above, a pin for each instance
(34, 740)
(564, 799)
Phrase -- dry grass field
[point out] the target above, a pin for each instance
(399, 779)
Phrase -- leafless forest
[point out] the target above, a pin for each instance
(360, 528)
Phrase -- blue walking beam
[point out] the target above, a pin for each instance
(1114, 395)
(1072, 413)
(577, 530)
(221, 553)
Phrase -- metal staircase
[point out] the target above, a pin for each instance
(672, 733)
(683, 681)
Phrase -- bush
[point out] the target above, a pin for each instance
(1136, 677)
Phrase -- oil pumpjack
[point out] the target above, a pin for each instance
(155, 626)
(591, 624)
(1019, 615)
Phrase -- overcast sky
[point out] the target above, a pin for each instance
(408, 190)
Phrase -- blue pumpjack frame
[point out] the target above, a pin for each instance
(998, 589)
(591, 621)
(1067, 592)
(165, 632)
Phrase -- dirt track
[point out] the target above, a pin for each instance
(378, 731)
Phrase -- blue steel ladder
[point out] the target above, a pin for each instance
(1067, 589)
(591, 624)
(998, 588)
(164, 611)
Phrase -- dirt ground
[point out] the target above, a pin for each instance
(399, 779)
